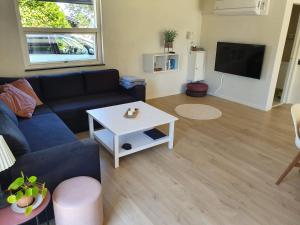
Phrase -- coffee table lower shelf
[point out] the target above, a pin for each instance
(138, 140)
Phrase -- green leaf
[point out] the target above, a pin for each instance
(32, 179)
(35, 191)
(44, 192)
(28, 192)
(11, 199)
(22, 174)
(16, 184)
(28, 210)
(19, 195)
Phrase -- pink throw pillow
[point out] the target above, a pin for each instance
(18, 101)
(24, 86)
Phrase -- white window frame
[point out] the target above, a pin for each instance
(98, 32)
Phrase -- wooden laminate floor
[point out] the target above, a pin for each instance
(221, 172)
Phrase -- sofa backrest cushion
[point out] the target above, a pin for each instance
(101, 81)
(4, 109)
(13, 136)
(62, 86)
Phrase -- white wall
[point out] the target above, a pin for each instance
(131, 28)
(244, 29)
(282, 75)
(295, 90)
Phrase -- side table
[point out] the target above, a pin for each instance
(8, 217)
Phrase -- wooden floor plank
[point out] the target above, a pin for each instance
(221, 172)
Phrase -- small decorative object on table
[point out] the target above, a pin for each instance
(127, 146)
(132, 113)
(26, 194)
(9, 217)
(196, 48)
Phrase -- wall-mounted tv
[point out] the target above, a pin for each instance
(240, 59)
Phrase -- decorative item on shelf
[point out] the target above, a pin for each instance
(26, 194)
(196, 48)
(132, 113)
(170, 36)
(168, 64)
(158, 69)
(7, 160)
(172, 64)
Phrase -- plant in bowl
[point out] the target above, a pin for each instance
(170, 36)
(24, 190)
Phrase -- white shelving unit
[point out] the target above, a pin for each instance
(161, 62)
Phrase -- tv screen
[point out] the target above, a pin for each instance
(240, 59)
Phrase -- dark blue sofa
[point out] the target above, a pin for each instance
(46, 145)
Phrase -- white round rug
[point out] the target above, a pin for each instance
(198, 112)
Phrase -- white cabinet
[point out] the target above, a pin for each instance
(157, 63)
(196, 68)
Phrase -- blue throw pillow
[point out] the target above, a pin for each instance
(6, 110)
(13, 136)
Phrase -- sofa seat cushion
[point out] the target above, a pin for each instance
(13, 136)
(42, 109)
(74, 109)
(45, 131)
(90, 101)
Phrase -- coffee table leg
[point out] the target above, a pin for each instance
(171, 135)
(91, 127)
(116, 150)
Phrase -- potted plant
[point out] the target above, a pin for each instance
(170, 36)
(24, 191)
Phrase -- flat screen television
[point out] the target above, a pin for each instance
(240, 59)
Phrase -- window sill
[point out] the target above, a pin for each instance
(62, 67)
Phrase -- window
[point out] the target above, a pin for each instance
(60, 33)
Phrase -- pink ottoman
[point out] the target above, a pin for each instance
(78, 201)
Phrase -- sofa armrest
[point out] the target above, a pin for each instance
(59, 163)
(138, 92)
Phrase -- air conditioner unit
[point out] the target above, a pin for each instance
(242, 7)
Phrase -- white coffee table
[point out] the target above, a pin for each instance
(119, 130)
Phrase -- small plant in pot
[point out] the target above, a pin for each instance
(24, 191)
(170, 36)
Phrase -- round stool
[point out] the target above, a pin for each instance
(78, 201)
(197, 89)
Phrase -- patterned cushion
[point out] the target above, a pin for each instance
(18, 101)
(24, 86)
